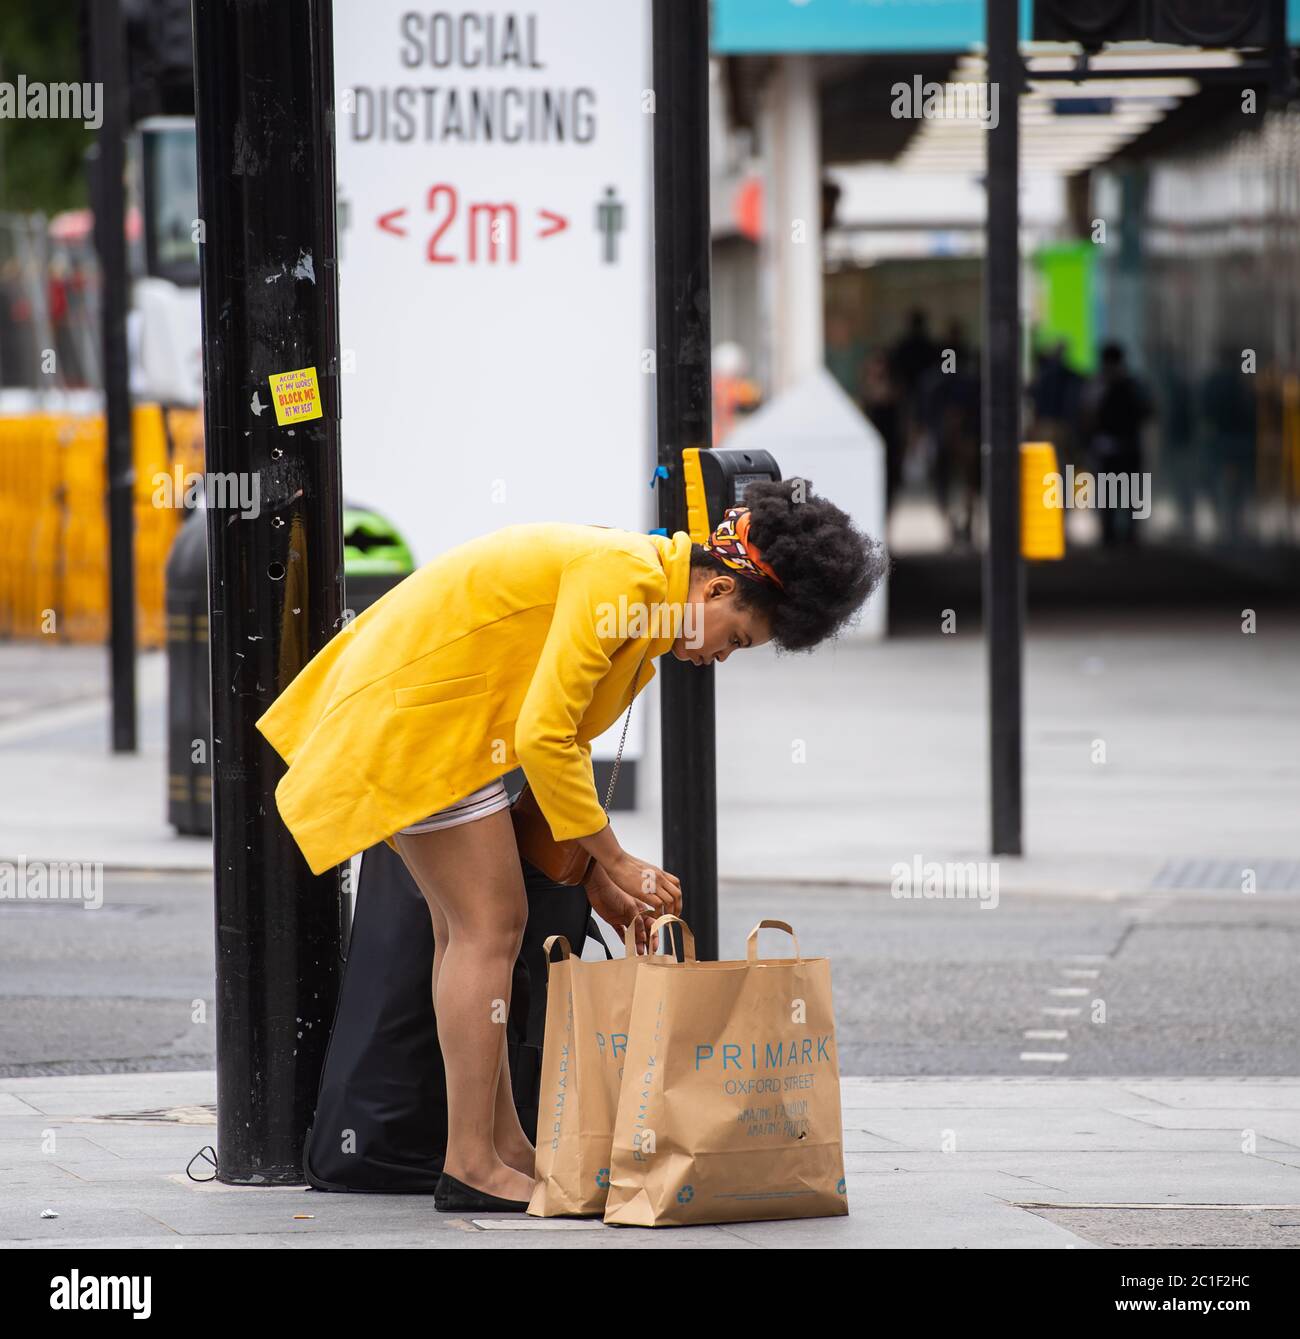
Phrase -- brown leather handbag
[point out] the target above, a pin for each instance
(562, 862)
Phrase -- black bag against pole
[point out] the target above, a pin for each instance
(381, 1112)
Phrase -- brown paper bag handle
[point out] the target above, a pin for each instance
(629, 943)
(548, 943)
(688, 939)
(751, 941)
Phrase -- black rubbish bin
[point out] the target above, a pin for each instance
(375, 559)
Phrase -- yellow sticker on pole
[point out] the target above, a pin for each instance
(296, 395)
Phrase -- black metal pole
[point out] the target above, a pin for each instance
(683, 389)
(108, 63)
(1281, 67)
(264, 99)
(1004, 597)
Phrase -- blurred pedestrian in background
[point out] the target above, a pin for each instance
(1179, 470)
(1055, 392)
(948, 402)
(880, 403)
(1228, 422)
(1118, 406)
(909, 360)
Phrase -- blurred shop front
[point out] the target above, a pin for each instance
(1205, 288)
(1160, 245)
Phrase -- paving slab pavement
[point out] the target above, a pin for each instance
(1041, 1163)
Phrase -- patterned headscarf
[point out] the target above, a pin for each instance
(731, 542)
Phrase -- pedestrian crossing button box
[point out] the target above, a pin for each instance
(718, 478)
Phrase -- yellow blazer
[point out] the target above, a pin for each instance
(506, 651)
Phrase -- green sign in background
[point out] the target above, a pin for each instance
(1065, 310)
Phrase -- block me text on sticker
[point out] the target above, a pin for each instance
(296, 395)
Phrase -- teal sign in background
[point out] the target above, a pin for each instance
(850, 25)
(866, 25)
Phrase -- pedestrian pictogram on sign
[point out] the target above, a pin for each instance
(609, 222)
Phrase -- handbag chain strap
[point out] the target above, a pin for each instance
(627, 720)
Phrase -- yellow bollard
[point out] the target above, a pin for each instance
(1042, 503)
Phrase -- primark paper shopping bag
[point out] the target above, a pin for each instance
(730, 1104)
(587, 1009)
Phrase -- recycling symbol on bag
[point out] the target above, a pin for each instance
(602, 1178)
(686, 1194)
(840, 1187)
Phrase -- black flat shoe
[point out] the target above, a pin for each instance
(453, 1196)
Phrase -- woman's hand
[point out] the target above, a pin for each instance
(617, 908)
(645, 882)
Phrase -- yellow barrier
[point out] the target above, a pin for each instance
(54, 521)
(1042, 502)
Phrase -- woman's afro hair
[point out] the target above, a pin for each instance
(828, 567)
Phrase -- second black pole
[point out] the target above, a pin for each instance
(683, 397)
(1004, 597)
(108, 61)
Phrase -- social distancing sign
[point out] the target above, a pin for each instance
(495, 307)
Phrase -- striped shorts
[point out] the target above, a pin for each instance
(489, 799)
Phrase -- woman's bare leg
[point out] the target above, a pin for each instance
(471, 873)
(512, 1144)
